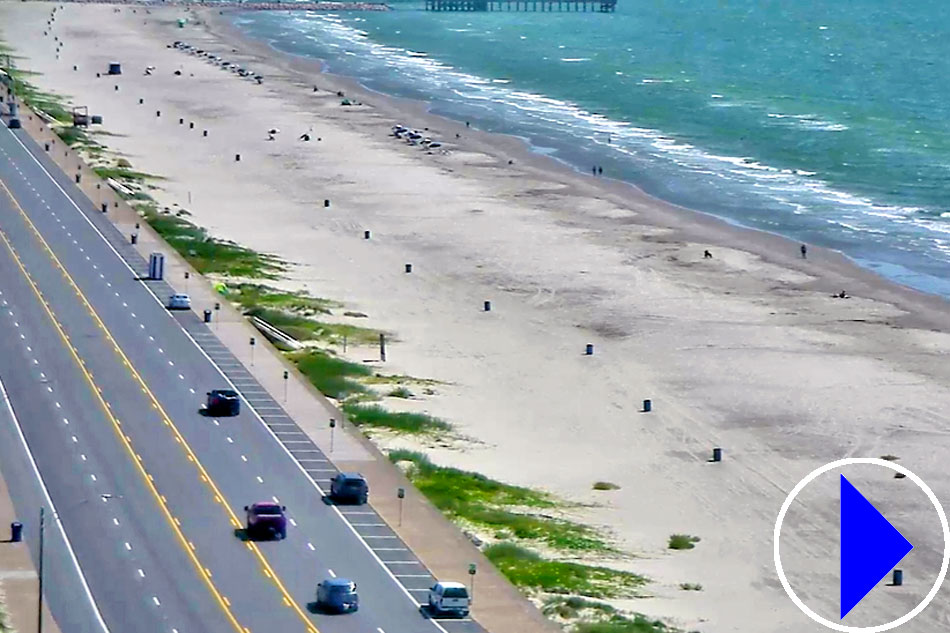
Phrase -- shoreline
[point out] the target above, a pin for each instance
(839, 271)
(738, 351)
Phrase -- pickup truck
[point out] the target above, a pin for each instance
(266, 520)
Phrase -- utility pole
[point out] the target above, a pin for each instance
(39, 606)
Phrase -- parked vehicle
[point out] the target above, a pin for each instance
(179, 302)
(349, 488)
(337, 595)
(223, 402)
(449, 597)
(266, 520)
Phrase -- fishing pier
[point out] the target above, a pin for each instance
(577, 6)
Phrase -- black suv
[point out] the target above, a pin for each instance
(223, 402)
(349, 488)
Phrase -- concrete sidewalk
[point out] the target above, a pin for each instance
(438, 543)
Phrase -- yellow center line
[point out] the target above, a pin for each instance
(167, 419)
(116, 427)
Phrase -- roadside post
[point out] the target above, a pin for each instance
(187, 277)
(253, 342)
(401, 494)
(39, 604)
(471, 574)
(286, 378)
(332, 426)
(217, 306)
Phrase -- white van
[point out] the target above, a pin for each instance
(449, 597)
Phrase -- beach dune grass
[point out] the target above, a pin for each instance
(333, 377)
(621, 624)
(263, 296)
(683, 541)
(582, 614)
(121, 173)
(400, 421)
(573, 607)
(211, 255)
(528, 569)
(477, 500)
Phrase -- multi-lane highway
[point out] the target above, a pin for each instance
(100, 420)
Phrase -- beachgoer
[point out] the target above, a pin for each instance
(457, 135)
(593, 170)
(466, 124)
(305, 137)
(600, 170)
(804, 250)
(314, 88)
(707, 254)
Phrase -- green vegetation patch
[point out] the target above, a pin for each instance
(211, 255)
(400, 392)
(605, 485)
(332, 376)
(620, 624)
(475, 499)
(576, 607)
(683, 541)
(530, 570)
(258, 295)
(121, 173)
(399, 421)
(591, 616)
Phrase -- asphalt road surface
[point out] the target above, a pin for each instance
(105, 386)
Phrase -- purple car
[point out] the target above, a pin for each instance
(266, 520)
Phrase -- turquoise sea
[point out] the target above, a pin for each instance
(827, 122)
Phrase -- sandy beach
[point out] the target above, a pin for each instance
(746, 350)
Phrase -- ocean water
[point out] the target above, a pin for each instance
(827, 122)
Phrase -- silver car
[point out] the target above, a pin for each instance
(179, 302)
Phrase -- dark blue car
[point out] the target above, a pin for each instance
(337, 595)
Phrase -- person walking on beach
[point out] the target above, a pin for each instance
(804, 252)
(593, 170)
(600, 170)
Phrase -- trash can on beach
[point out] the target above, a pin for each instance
(207, 316)
(115, 68)
(16, 532)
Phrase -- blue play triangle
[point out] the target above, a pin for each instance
(870, 546)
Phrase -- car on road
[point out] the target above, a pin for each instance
(349, 488)
(266, 520)
(449, 598)
(179, 302)
(223, 402)
(337, 595)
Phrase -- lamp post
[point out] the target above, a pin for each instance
(471, 574)
(400, 494)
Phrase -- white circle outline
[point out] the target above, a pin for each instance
(907, 617)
